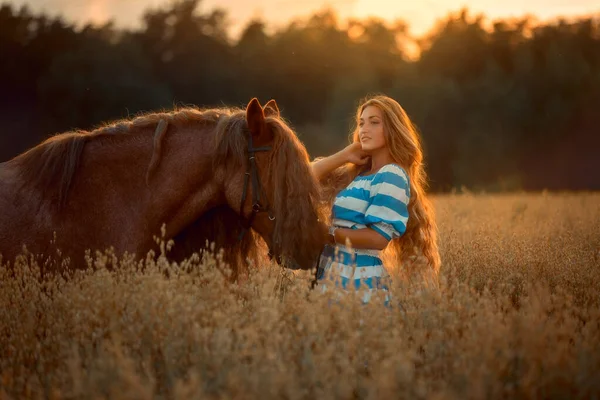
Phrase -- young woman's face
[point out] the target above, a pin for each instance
(370, 131)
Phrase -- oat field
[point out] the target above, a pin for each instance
(517, 315)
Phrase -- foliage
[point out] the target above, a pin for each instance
(506, 104)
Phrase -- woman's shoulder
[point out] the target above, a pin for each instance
(388, 174)
(391, 171)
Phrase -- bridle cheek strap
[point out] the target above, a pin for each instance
(251, 176)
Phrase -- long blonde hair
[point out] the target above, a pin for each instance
(416, 251)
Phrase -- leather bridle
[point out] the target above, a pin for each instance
(258, 196)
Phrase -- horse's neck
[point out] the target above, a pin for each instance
(116, 163)
(176, 191)
(183, 183)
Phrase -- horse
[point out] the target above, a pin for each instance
(225, 175)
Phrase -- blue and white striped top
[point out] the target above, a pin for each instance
(380, 202)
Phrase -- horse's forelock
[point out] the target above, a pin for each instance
(231, 142)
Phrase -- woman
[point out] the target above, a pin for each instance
(380, 209)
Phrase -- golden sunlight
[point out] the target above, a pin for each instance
(420, 15)
(417, 14)
(97, 11)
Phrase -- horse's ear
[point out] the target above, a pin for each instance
(255, 117)
(270, 109)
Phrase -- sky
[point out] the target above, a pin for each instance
(421, 15)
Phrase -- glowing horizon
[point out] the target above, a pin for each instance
(421, 17)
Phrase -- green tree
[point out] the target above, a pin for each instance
(106, 77)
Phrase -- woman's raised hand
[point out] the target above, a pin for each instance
(351, 154)
(354, 153)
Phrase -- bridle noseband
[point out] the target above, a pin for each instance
(258, 193)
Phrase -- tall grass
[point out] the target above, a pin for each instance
(517, 314)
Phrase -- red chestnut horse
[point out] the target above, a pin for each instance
(205, 174)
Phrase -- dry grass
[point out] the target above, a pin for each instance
(517, 315)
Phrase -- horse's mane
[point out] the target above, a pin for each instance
(52, 165)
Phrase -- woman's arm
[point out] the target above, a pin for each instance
(366, 238)
(323, 166)
(352, 153)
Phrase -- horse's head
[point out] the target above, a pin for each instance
(271, 186)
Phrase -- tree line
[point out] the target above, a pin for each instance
(501, 105)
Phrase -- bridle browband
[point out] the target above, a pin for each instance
(258, 193)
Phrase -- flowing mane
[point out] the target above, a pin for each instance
(51, 165)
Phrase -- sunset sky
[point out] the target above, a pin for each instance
(420, 14)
